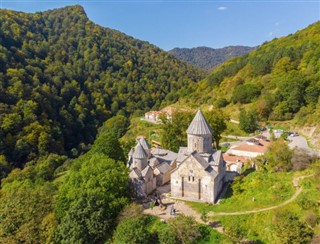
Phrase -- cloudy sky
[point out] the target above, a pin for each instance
(192, 23)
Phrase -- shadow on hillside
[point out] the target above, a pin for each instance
(248, 171)
(227, 191)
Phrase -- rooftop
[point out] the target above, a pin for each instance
(262, 147)
(199, 125)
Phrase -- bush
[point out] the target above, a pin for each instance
(167, 236)
(133, 230)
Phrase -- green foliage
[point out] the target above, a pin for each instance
(279, 78)
(62, 76)
(167, 236)
(208, 58)
(108, 144)
(186, 229)
(173, 131)
(27, 202)
(89, 201)
(133, 230)
(217, 120)
(248, 121)
(279, 156)
(289, 229)
(245, 93)
(267, 189)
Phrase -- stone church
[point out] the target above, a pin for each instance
(196, 173)
(149, 168)
(200, 171)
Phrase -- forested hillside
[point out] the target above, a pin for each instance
(209, 58)
(61, 76)
(280, 79)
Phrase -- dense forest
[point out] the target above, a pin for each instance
(62, 76)
(67, 90)
(280, 79)
(208, 58)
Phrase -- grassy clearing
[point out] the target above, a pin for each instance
(233, 129)
(260, 227)
(256, 190)
(140, 127)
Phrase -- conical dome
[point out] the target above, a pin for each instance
(139, 152)
(144, 143)
(199, 125)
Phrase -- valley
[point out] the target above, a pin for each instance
(73, 100)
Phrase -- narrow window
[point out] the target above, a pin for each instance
(199, 189)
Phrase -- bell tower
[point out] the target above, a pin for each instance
(199, 135)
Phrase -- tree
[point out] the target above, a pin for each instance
(133, 230)
(108, 144)
(290, 230)
(173, 130)
(90, 199)
(279, 156)
(248, 121)
(167, 235)
(217, 121)
(186, 229)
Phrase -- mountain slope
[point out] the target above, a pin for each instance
(61, 76)
(280, 79)
(208, 58)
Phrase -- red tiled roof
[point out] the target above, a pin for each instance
(261, 148)
(229, 158)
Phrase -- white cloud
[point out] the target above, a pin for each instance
(222, 8)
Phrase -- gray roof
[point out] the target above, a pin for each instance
(153, 162)
(131, 152)
(139, 152)
(164, 154)
(182, 154)
(145, 171)
(216, 158)
(135, 173)
(143, 141)
(203, 162)
(199, 125)
(163, 168)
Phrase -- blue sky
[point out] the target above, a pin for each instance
(192, 23)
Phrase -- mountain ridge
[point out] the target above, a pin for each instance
(208, 58)
(62, 76)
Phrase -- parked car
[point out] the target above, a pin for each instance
(292, 134)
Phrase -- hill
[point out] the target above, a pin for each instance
(209, 58)
(280, 80)
(62, 76)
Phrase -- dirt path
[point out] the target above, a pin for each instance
(295, 183)
(182, 208)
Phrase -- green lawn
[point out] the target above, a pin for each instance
(256, 190)
(260, 226)
(140, 127)
(233, 129)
